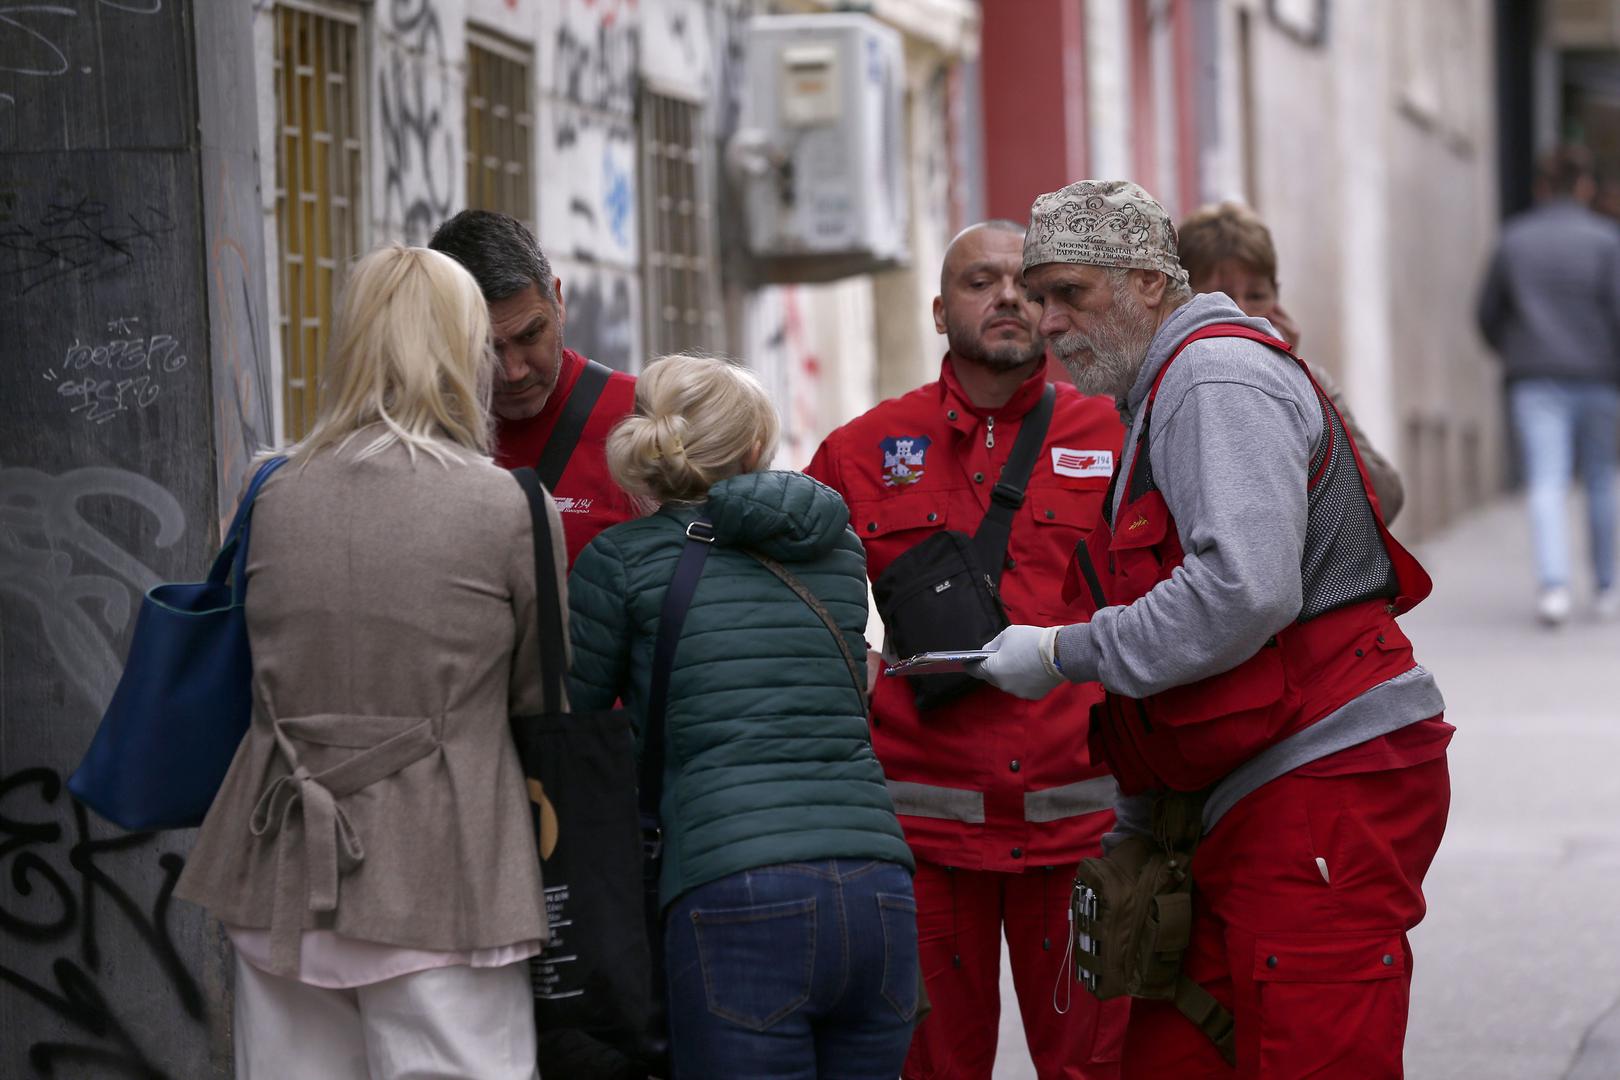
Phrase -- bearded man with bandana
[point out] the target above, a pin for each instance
(1242, 591)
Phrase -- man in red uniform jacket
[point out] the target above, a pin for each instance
(1241, 592)
(999, 797)
(539, 379)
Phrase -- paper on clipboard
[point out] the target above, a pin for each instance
(937, 663)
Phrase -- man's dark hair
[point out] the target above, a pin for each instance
(499, 250)
(1562, 169)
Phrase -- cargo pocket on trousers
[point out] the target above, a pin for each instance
(757, 961)
(902, 973)
(1331, 1006)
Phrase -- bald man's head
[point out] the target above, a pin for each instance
(953, 249)
(981, 307)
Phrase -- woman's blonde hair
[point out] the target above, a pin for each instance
(410, 358)
(698, 420)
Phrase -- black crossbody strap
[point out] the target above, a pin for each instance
(548, 600)
(990, 542)
(571, 424)
(857, 670)
(677, 601)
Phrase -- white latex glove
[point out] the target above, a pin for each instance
(1022, 662)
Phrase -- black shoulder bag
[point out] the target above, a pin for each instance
(943, 593)
(598, 983)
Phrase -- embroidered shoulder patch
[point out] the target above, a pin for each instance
(903, 459)
(1066, 462)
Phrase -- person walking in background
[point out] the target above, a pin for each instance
(999, 797)
(553, 407)
(371, 852)
(791, 938)
(1227, 248)
(1550, 307)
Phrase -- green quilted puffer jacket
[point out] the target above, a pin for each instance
(768, 758)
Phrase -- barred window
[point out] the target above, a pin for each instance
(318, 188)
(681, 288)
(499, 127)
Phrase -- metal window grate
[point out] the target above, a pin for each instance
(318, 185)
(499, 128)
(681, 287)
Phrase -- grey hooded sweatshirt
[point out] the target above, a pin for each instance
(1234, 428)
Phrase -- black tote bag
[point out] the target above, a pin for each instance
(596, 1001)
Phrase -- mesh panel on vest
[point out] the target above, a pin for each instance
(1345, 561)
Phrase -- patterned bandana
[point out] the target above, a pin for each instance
(1103, 223)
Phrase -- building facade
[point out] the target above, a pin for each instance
(604, 124)
(1363, 133)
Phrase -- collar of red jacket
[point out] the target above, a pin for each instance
(965, 416)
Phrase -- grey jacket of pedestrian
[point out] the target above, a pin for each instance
(391, 612)
(1550, 303)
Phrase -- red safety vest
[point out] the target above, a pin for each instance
(588, 501)
(1187, 737)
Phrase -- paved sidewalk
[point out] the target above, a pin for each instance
(1518, 963)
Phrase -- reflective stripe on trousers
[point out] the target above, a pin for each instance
(962, 804)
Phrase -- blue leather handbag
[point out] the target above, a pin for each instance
(185, 698)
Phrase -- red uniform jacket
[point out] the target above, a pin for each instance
(587, 498)
(1188, 737)
(989, 781)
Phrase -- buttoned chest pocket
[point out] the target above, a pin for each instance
(1054, 521)
(1140, 550)
(891, 527)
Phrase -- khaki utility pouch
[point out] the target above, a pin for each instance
(1131, 919)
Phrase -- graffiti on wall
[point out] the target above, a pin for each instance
(36, 41)
(68, 889)
(79, 237)
(593, 56)
(418, 119)
(588, 202)
(603, 317)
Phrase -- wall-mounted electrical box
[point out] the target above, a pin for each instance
(821, 149)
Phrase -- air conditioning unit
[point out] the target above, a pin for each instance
(820, 152)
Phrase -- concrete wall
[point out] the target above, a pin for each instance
(132, 332)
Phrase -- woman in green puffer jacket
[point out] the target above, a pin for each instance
(790, 927)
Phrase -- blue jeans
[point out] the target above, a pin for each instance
(802, 970)
(1562, 423)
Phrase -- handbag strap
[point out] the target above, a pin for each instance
(232, 555)
(571, 424)
(990, 542)
(857, 671)
(677, 601)
(548, 598)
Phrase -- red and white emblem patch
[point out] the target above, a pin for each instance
(1066, 462)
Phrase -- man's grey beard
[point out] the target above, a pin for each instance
(995, 357)
(1117, 348)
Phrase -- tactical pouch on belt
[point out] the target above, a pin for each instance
(1131, 919)
(942, 594)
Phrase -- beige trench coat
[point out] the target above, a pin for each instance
(391, 612)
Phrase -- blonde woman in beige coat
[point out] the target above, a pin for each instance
(371, 852)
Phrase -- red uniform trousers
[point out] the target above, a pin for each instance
(960, 915)
(1316, 972)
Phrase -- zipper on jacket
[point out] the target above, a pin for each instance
(989, 433)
